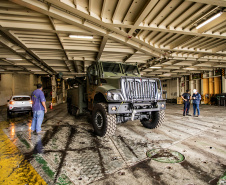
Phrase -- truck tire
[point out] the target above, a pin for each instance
(157, 118)
(69, 108)
(104, 124)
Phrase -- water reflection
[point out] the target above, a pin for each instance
(12, 131)
(29, 129)
(37, 142)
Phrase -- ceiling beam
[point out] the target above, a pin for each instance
(31, 55)
(211, 2)
(102, 46)
(212, 24)
(13, 64)
(129, 56)
(78, 18)
(61, 44)
(10, 46)
(193, 51)
(172, 30)
(143, 13)
(219, 48)
(180, 41)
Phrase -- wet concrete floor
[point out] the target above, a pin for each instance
(68, 152)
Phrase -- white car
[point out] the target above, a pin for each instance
(18, 104)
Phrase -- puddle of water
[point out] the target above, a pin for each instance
(165, 155)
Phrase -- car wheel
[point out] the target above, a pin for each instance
(157, 118)
(104, 124)
(9, 114)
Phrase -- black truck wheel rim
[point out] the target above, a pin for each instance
(99, 121)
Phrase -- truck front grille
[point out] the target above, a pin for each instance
(134, 88)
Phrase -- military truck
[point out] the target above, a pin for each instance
(116, 93)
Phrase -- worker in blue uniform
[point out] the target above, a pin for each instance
(186, 97)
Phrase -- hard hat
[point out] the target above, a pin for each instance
(194, 91)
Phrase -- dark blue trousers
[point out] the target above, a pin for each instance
(186, 107)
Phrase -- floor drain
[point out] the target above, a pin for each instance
(165, 155)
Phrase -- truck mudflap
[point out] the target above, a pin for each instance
(128, 108)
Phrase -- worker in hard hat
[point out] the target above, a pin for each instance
(196, 97)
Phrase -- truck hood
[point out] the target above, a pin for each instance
(112, 83)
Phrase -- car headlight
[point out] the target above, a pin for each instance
(114, 95)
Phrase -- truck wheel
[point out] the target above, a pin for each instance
(104, 124)
(69, 108)
(157, 118)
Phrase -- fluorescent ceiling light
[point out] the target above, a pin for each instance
(188, 68)
(81, 36)
(14, 59)
(155, 67)
(209, 20)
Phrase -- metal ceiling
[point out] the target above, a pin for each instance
(34, 35)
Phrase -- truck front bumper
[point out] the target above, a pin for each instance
(127, 108)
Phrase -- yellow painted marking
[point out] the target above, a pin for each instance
(13, 168)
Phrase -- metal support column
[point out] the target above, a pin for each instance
(206, 88)
(54, 89)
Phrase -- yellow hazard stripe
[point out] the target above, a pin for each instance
(13, 168)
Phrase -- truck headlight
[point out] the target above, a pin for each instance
(114, 95)
(109, 94)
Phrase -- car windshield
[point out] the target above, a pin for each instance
(130, 69)
(111, 67)
(21, 98)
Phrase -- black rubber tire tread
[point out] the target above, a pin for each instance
(109, 126)
(157, 120)
(9, 114)
(69, 108)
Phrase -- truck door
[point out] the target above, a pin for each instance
(92, 83)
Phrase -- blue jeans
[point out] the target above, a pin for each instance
(196, 106)
(38, 117)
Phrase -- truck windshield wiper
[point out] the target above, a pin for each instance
(114, 72)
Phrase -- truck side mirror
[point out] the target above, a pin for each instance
(95, 73)
(95, 82)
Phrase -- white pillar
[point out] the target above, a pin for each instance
(54, 89)
(64, 91)
(223, 84)
(178, 87)
(13, 84)
(186, 78)
(198, 85)
(191, 83)
(39, 80)
(182, 90)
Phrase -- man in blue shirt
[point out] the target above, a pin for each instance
(38, 108)
(196, 101)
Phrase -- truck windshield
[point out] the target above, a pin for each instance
(111, 67)
(130, 69)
